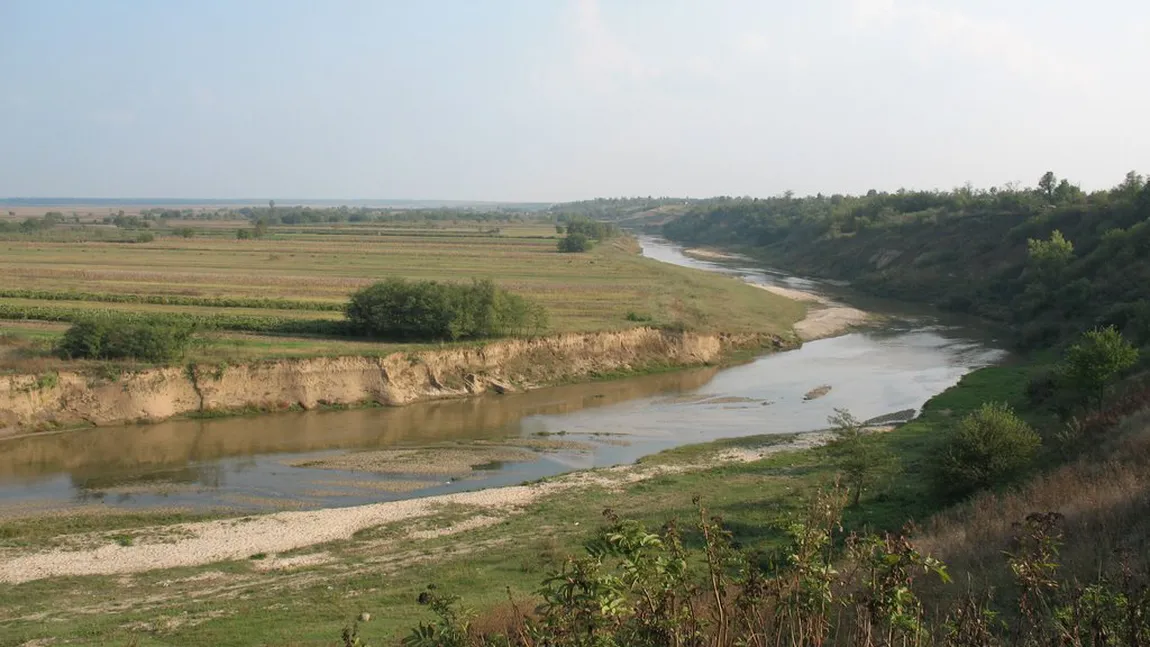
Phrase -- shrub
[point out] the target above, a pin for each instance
(430, 310)
(243, 234)
(574, 243)
(145, 237)
(990, 446)
(112, 338)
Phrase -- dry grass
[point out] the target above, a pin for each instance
(1104, 497)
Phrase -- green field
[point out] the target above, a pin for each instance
(302, 273)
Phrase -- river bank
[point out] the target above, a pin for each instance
(195, 544)
(68, 399)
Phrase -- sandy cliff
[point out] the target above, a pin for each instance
(29, 402)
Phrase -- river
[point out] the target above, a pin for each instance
(254, 463)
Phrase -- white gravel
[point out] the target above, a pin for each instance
(214, 541)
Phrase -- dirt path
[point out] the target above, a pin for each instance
(826, 318)
(195, 544)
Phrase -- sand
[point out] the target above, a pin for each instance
(825, 318)
(711, 254)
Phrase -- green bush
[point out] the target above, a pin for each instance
(573, 243)
(111, 338)
(990, 446)
(430, 310)
(145, 237)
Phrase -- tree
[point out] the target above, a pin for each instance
(261, 228)
(1048, 258)
(574, 243)
(1046, 185)
(1066, 192)
(243, 234)
(186, 232)
(1096, 361)
(990, 446)
(859, 455)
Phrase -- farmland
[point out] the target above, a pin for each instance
(294, 280)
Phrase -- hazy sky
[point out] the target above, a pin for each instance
(565, 99)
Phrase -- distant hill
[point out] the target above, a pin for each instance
(993, 253)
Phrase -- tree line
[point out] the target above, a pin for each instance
(1050, 261)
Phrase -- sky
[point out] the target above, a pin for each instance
(550, 100)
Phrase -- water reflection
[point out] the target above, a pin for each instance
(140, 452)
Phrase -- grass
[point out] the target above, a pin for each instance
(300, 268)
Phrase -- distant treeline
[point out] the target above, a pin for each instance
(612, 208)
(1050, 261)
(306, 215)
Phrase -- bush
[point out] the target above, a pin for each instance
(145, 237)
(111, 338)
(574, 243)
(243, 234)
(990, 446)
(429, 310)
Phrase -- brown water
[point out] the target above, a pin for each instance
(247, 463)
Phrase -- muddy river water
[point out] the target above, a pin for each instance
(338, 458)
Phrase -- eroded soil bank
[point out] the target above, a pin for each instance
(33, 403)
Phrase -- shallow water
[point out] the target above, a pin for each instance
(247, 463)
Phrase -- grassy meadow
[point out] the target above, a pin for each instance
(305, 273)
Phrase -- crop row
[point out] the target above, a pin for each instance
(203, 321)
(172, 300)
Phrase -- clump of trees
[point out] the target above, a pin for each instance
(114, 338)
(574, 243)
(582, 234)
(595, 229)
(406, 310)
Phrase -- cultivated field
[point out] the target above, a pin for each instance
(300, 273)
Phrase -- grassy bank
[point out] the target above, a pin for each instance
(306, 596)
